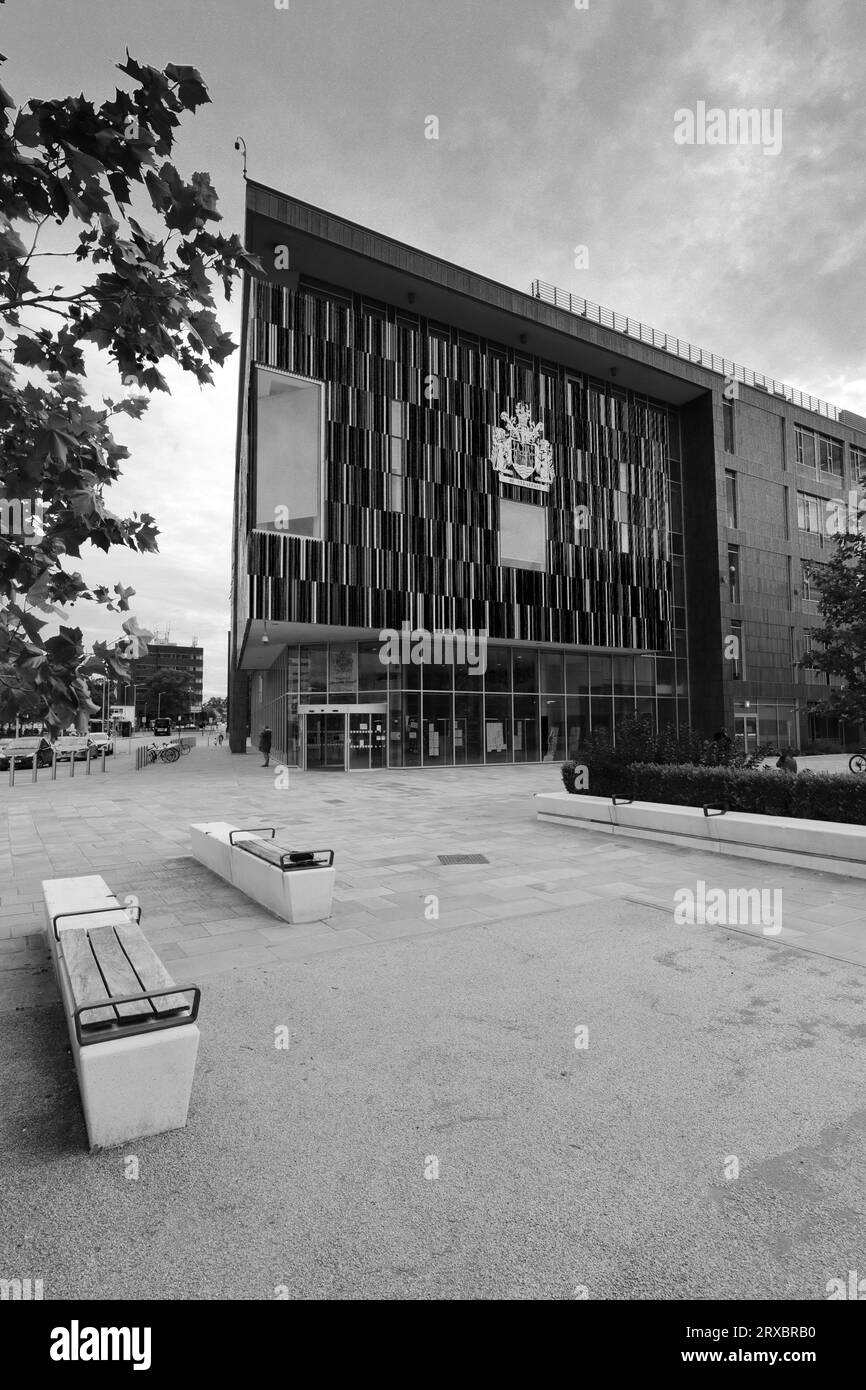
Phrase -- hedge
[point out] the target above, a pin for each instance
(830, 796)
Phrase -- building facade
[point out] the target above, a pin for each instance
(621, 518)
(165, 656)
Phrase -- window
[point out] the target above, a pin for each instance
(288, 448)
(817, 454)
(811, 674)
(808, 587)
(858, 464)
(731, 498)
(676, 508)
(734, 573)
(522, 535)
(728, 421)
(398, 433)
(439, 351)
(547, 394)
(789, 581)
(830, 456)
(738, 655)
(809, 512)
(804, 448)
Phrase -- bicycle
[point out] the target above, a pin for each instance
(169, 753)
(857, 763)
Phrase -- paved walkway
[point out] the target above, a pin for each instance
(432, 1130)
(388, 830)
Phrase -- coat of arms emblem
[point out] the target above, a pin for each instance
(520, 454)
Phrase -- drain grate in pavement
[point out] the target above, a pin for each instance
(463, 859)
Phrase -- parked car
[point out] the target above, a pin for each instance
(71, 746)
(162, 728)
(99, 741)
(21, 750)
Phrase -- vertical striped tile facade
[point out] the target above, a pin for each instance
(431, 556)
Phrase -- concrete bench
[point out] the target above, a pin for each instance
(296, 885)
(132, 1029)
(826, 846)
(211, 846)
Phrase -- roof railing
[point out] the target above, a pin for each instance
(678, 347)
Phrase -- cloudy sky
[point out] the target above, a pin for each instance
(555, 128)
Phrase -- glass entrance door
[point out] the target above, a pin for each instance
(325, 736)
(746, 727)
(366, 741)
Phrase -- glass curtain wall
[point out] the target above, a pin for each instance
(530, 705)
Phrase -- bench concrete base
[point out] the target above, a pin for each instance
(130, 1087)
(824, 846)
(133, 1087)
(210, 846)
(301, 895)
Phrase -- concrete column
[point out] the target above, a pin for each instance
(238, 711)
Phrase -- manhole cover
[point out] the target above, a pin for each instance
(463, 859)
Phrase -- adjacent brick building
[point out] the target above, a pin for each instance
(165, 656)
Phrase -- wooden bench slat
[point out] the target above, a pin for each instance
(119, 975)
(149, 968)
(262, 849)
(87, 985)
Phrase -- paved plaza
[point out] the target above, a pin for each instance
(439, 1124)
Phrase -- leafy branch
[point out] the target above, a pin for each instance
(149, 299)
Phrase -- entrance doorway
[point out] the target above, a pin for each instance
(343, 738)
(366, 741)
(746, 728)
(325, 742)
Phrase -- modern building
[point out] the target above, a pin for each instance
(164, 656)
(624, 516)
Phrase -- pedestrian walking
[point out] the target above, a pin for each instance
(265, 744)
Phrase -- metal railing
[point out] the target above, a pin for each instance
(678, 347)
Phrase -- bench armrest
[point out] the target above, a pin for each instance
(251, 830)
(305, 859)
(93, 912)
(149, 1026)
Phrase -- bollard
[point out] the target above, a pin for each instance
(88, 761)
(103, 759)
(12, 772)
(33, 778)
(54, 764)
(72, 762)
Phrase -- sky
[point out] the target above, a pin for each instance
(556, 128)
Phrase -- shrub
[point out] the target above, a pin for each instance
(827, 796)
(637, 742)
